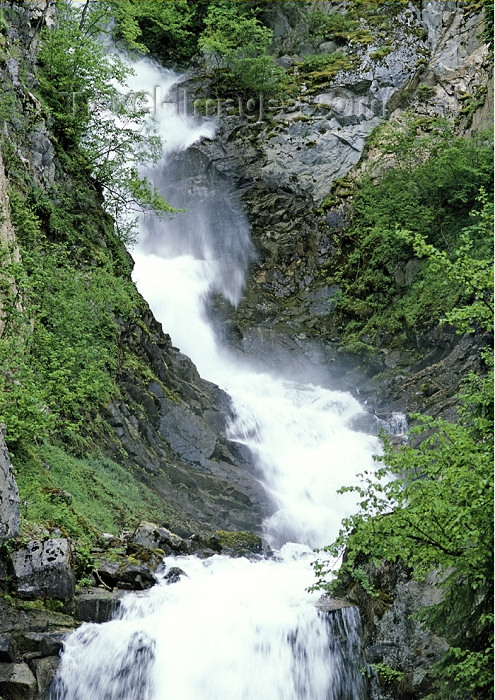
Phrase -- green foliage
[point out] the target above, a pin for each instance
(4, 25)
(239, 540)
(4, 54)
(381, 52)
(108, 135)
(232, 37)
(22, 401)
(487, 34)
(388, 676)
(473, 277)
(58, 352)
(357, 23)
(472, 102)
(73, 346)
(325, 65)
(337, 25)
(25, 221)
(23, 407)
(430, 506)
(166, 29)
(236, 45)
(430, 191)
(317, 69)
(425, 92)
(76, 71)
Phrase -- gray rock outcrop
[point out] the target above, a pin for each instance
(97, 604)
(175, 429)
(392, 637)
(43, 568)
(7, 648)
(17, 682)
(9, 494)
(400, 641)
(153, 537)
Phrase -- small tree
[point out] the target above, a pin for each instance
(236, 45)
(109, 135)
(166, 29)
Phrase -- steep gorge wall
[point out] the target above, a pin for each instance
(288, 163)
(166, 424)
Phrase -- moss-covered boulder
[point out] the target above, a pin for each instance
(238, 543)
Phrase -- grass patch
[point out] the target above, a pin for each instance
(317, 70)
(81, 497)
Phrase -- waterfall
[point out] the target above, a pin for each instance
(231, 629)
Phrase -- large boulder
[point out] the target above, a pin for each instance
(97, 604)
(43, 569)
(36, 644)
(17, 682)
(7, 648)
(135, 570)
(236, 544)
(154, 537)
(9, 495)
(44, 670)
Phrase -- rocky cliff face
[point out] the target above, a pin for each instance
(287, 163)
(167, 425)
(9, 495)
(173, 429)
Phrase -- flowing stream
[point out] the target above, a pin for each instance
(232, 629)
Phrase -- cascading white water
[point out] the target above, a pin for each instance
(231, 629)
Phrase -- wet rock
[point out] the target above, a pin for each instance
(9, 495)
(403, 643)
(7, 648)
(135, 577)
(97, 604)
(173, 574)
(33, 636)
(326, 604)
(44, 671)
(236, 543)
(40, 644)
(18, 622)
(365, 423)
(108, 573)
(174, 430)
(17, 682)
(44, 569)
(155, 537)
(205, 553)
(134, 571)
(189, 437)
(391, 633)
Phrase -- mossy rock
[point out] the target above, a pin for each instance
(239, 541)
(138, 554)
